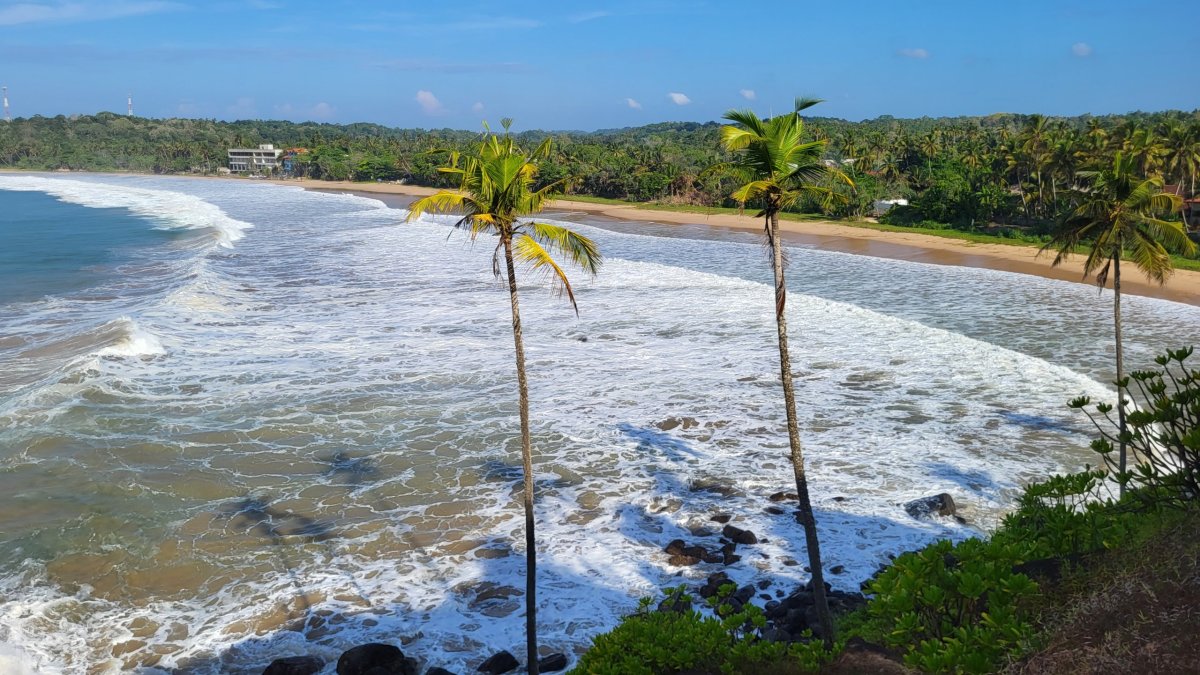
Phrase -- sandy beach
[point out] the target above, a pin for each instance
(1184, 285)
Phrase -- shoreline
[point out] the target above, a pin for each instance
(1183, 286)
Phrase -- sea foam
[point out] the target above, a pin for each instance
(170, 208)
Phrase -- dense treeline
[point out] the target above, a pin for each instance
(966, 172)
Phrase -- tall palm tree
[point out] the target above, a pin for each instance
(496, 192)
(778, 168)
(1116, 213)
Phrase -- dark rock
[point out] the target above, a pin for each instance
(553, 662)
(765, 597)
(839, 499)
(694, 552)
(713, 558)
(713, 584)
(1046, 569)
(837, 569)
(744, 593)
(771, 606)
(942, 505)
(776, 635)
(730, 558)
(682, 560)
(784, 497)
(721, 518)
(722, 489)
(790, 562)
(774, 510)
(808, 586)
(739, 535)
(436, 670)
(728, 547)
(295, 665)
(764, 584)
(701, 532)
(675, 547)
(375, 659)
(502, 662)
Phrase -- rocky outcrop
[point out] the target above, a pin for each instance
(295, 665)
(502, 662)
(942, 505)
(375, 659)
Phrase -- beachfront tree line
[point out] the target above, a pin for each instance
(1114, 213)
(970, 173)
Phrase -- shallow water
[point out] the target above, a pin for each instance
(297, 437)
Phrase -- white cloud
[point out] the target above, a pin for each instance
(633, 104)
(679, 99)
(243, 108)
(477, 108)
(914, 53)
(429, 103)
(1081, 49)
(284, 109)
(59, 10)
(588, 16)
(748, 94)
(323, 111)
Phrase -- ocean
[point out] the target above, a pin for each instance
(240, 421)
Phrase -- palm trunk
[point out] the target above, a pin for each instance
(793, 425)
(1120, 363)
(527, 469)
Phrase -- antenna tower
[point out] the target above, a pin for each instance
(129, 108)
(7, 113)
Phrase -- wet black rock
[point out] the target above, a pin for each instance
(552, 663)
(713, 584)
(837, 569)
(942, 505)
(295, 665)
(502, 662)
(438, 671)
(739, 535)
(784, 497)
(682, 560)
(375, 659)
(721, 518)
(675, 547)
(774, 510)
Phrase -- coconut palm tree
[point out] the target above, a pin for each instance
(1116, 215)
(496, 193)
(777, 168)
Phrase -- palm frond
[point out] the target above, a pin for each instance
(580, 249)
(527, 250)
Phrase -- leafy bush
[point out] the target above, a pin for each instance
(953, 607)
(650, 642)
(1162, 434)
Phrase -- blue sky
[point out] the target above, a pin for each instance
(589, 65)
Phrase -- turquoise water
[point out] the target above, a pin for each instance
(49, 247)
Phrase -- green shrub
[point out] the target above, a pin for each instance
(1162, 435)
(953, 608)
(650, 642)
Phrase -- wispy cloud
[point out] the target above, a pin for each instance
(62, 11)
(323, 111)
(429, 103)
(914, 53)
(1081, 49)
(748, 94)
(633, 104)
(445, 67)
(243, 108)
(588, 16)
(679, 99)
(478, 108)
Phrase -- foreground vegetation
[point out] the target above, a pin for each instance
(1074, 580)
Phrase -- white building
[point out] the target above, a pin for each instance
(263, 158)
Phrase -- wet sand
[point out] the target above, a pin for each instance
(1184, 285)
